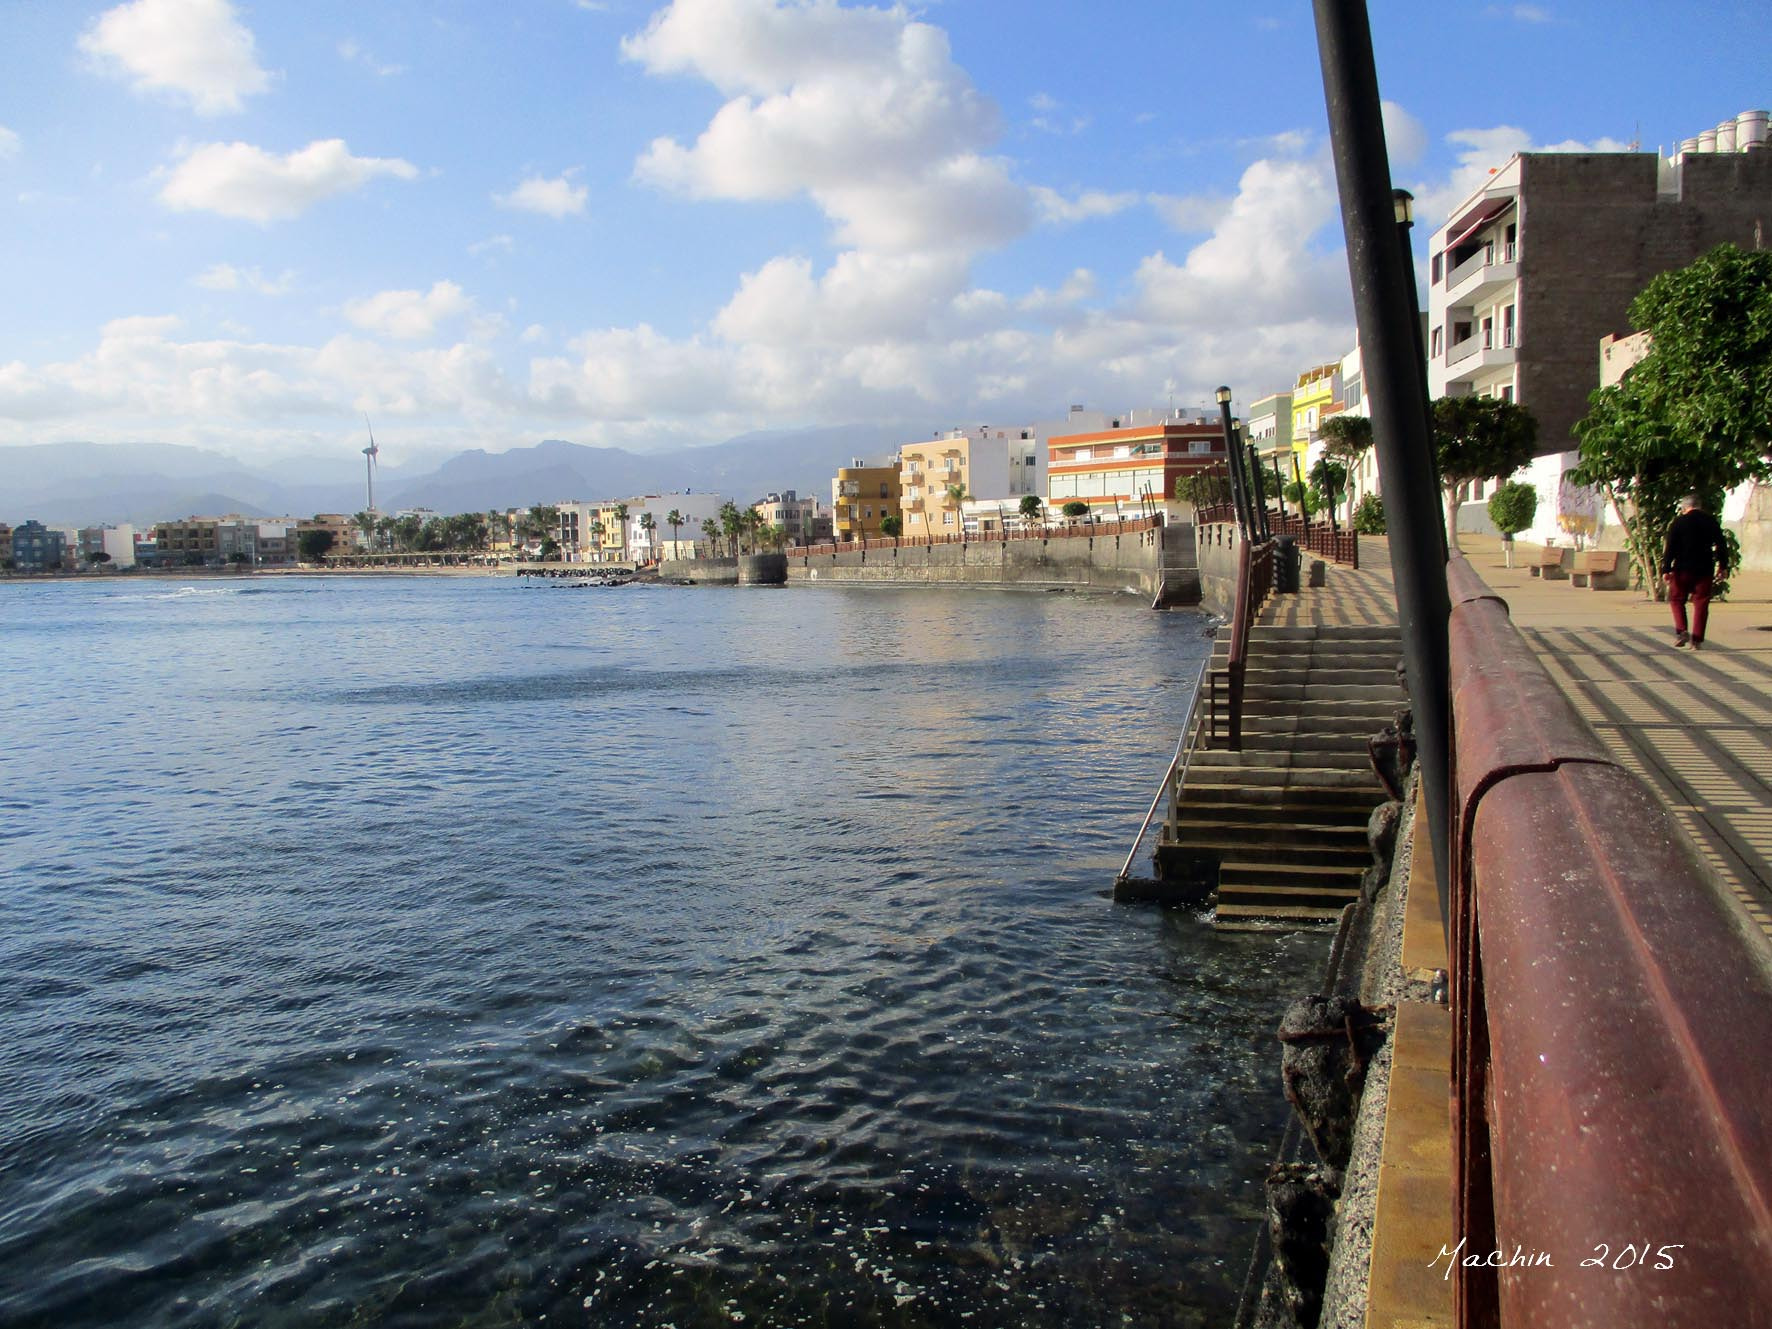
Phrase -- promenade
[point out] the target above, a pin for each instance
(1697, 727)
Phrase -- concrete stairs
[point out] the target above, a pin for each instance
(1279, 828)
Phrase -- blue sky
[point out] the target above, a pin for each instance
(242, 226)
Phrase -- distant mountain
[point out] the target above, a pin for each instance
(89, 483)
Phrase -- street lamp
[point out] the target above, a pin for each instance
(1403, 206)
(1239, 482)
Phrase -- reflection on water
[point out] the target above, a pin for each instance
(457, 952)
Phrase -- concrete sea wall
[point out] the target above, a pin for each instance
(1151, 563)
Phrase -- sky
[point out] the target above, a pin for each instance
(245, 226)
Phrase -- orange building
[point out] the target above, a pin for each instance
(1127, 471)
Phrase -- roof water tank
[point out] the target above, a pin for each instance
(1726, 136)
(1707, 141)
(1750, 130)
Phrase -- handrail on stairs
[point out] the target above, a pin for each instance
(1177, 769)
(1255, 580)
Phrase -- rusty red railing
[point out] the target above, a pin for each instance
(1255, 581)
(1338, 546)
(1066, 531)
(1610, 1077)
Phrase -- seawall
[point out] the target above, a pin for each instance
(1157, 563)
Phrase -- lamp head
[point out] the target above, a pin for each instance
(1404, 203)
(1224, 395)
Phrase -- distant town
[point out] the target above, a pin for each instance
(1533, 314)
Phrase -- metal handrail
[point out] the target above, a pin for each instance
(1177, 768)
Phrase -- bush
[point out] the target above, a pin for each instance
(1369, 515)
(1512, 507)
(1075, 509)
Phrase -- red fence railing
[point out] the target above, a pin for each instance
(1609, 1070)
(1067, 531)
(1255, 581)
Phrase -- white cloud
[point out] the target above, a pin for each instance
(904, 168)
(352, 53)
(409, 315)
(1054, 207)
(1521, 13)
(195, 49)
(240, 180)
(556, 198)
(1405, 139)
(532, 334)
(9, 143)
(490, 243)
(1480, 153)
(227, 277)
(1195, 212)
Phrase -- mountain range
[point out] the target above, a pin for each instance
(88, 484)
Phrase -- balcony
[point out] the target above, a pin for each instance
(1492, 267)
(911, 504)
(1471, 358)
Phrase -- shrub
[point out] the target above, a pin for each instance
(1369, 515)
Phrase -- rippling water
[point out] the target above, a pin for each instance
(422, 952)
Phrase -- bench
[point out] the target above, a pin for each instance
(1601, 570)
(1552, 563)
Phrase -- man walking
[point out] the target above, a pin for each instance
(1694, 557)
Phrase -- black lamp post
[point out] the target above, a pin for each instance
(1234, 461)
(1254, 471)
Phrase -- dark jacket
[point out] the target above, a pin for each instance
(1695, 545)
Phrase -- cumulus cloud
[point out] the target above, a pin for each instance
(350, 52)
(1055, 207)
(196, 50)
(904, 168)
(1194, 212)
(240, 180)
(1405, 139)
(1480, 152)
(409, 315)
(227, 277)
(9, 143)
(556, 198)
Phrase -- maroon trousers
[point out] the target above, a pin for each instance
(1682, 586)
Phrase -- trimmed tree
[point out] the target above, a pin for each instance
(314, 545)
(1030, 508)
(1512, 507)
(1075, 509)
(1477, 438)
(1368, 516)
(1695, 414)
(892, 524)
(1346, 438)
(1329, 478)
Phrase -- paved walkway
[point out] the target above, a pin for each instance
(1694, 726)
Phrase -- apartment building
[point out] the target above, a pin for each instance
(1316, 394)
(1269, 426)
(862, 496)
(988, 463)
(1130, 470)
(802, 520)
(1532, 270)
(192, 541)
(116, 543)
(38, 548)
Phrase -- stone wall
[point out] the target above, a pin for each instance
(1217, 558)
(1150, 563)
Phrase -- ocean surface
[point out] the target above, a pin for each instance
(470, 952)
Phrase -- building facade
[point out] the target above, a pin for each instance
(1130, 471)
(798, 518)
(38, 548)
(116, 543)
(990, 464)
(1532, 270)
(863, 496)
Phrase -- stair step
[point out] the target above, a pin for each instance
(1223, 759)
(1280, 799)
(1227, 917)
(1235, 850)
(1252, 778)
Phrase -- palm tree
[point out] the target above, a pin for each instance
(365, 521)
(673, 519)
(595, 531)
(621, 526)
(957, 495)
(732, 523)
(753, 525)
(710, 531)
(648, 525)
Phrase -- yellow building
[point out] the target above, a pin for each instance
(1316, 391)
(862, 497)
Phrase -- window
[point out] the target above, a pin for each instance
(1507, 392)
(947, 519)
(1437, 261)
(884, 491)
(1435, 348)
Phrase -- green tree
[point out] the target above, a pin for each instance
(1329, 478)
(674, 519)
(365, 523)
(710, 531)
(649, 524)
(892, 524)
(1075, 508)
(1202, 488)
(1030, 508)
(956, 495)
(1347, 439)
(731, 525)
(550, 549)
(1304, 497)
(1695, 414)
(1369, 515)
(621, 528)
(98, 558)
(1477, 438)
(1512, 507)
(594, 529)
(314, 545)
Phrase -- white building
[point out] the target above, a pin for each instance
(116, 542)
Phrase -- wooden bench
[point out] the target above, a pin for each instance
(1552, 563)
(1601, 570)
